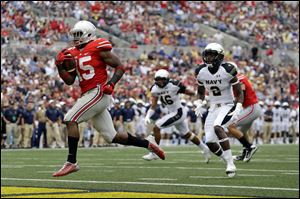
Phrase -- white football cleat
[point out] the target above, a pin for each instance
(249, 153)
(230, 170)
(150, 156)
(155, 149)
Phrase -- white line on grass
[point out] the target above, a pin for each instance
(208, 177)
(296, 172)
(250, 175)
(247, 175)
(274, 160)
(165, 179)
(288, 173)
(154, 184)
(130, 163)
(44, 171)
(12, 167)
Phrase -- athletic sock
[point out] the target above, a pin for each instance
(73, 142)
(245, 142)
(203, 146)
(134, 141)
(227, 155)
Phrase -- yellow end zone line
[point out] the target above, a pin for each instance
(34, 192)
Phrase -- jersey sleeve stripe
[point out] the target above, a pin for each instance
(234, 83)
(200, 83)
(104, 45)
(103, 42)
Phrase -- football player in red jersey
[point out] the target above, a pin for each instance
(251, 110)
(92, 56)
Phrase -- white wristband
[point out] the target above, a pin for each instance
(238, 106)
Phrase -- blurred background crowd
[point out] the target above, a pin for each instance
(160, 34)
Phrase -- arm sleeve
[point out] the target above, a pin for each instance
(182, 88)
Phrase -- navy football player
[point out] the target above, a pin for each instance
(167, 91)
(219, 78)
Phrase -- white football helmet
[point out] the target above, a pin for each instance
(277, 103)
(213, 54)
(285, 104)
(161, 78)
(83, 32)
(162, 74)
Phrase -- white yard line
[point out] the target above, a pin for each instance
(247, 175)
(130, 163)
(254, 175)
(288, 173)
(12, 167)
(156, 167)
(45, 171)
(154, 184)
(208, 177)
(163, 179)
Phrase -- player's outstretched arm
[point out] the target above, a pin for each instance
(151, 110)
(113, 60)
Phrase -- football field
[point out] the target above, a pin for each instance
(121, 172)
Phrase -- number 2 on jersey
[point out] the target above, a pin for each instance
(215, 90)
(90, 71)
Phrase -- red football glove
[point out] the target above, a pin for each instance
(108, 88)
(62, 55)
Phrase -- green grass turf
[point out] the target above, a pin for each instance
(273, 166)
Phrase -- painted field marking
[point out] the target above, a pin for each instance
(11, 167)
(154, 184)
(164, 179)
(288, 173)
(130, 163)
(208, 177)
(250, 175)
(44, 171)
(159, 167)
(34, 192)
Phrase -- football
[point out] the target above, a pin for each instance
(69, 63)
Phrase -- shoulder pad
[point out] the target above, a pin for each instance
(199, 68)
(102, 44)
(174, 82)
(229, 68)
(70, 49)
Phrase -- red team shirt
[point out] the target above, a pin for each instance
(250, 97)
(90, 68)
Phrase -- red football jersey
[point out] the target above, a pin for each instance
(90, 68)
(250, 95)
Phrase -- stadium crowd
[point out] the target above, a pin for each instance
(34, 99)
(268, 24)
(31, 83)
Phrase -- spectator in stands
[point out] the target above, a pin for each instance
(28, 118)
(127, 117)
(53, 120)
(41, 118)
